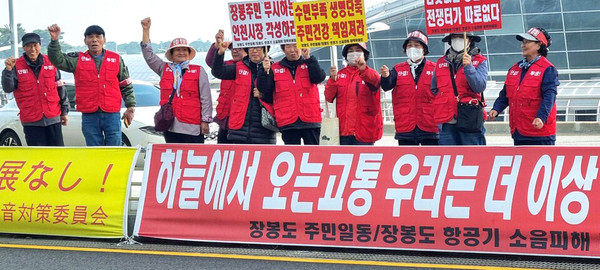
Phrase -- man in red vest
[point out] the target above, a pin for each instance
(226, 87)
(101, 81)
(36, 85)
(460, 76)
(530, 92)
(412, 99)
(291, 84)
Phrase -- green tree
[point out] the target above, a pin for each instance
(6, 40)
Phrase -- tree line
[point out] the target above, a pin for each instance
(132, 47)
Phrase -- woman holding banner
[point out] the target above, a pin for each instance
(530, 92)
(356, 91)
(245, 113)
(460, 78)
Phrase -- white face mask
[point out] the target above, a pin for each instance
(414, 54)
(352, 57)
(458, 44)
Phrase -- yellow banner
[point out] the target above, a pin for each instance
(329, 22)
(65, 191)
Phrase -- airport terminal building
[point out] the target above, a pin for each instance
(574, 26)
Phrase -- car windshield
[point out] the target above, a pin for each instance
(146, 95)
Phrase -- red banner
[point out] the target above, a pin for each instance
(454, 16)
(525, 200)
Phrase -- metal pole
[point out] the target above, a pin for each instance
(13, 29)
(333, 56)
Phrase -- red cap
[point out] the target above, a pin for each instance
(533, 34)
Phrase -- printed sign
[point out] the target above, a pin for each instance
(65, 191)
(329, 22)
(455, 16)
(261, 23)
(525, 200)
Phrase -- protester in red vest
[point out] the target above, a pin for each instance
(226, 87)
(245, 113)
(530, 92)
(188, 84)
(292, 86)
(101, 81)
(464, 74)
(36, 85)
(412, 99)
(356, 91)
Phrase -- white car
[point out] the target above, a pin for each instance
(140, 132)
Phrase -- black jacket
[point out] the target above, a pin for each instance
(252, 132)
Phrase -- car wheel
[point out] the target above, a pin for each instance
(125, 140)
(10, 138)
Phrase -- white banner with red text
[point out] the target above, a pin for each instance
(261, 23)
(519, 200)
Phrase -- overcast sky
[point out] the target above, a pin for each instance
(191, 19)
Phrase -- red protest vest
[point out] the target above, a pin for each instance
(98, 89)
(187, 106)
(525, 98)
(445, 101)
(413, 103)
(358, 108)
(225, 93)
(36, 96)
(295, 98)
(241, 96)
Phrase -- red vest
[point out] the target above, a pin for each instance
(295, 98)
(186, 107)
(525, 98)
(98, 89)
(36, 96)
(445, 101)
(224, 99)
(241, 96)
(358, 108)
(413, 104)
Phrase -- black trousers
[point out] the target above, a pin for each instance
(172, 137)
(534, 142)
(419, 142)
(294, 136)
(351, 140)
(222, 136)
(44, 136)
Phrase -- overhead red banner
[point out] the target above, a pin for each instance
(454, 16)
(518, 200)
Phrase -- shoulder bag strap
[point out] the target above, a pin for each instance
(171, 96)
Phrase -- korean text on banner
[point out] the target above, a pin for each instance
(261, 23)
(329, 22)
(454, 16)
(65, 191)
(525, 200)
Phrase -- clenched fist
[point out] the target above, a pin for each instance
(10, 63)
(333, 73)
(54, 31)
(384, 71)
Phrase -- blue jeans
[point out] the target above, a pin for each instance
(449, 135)
(101, 129)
